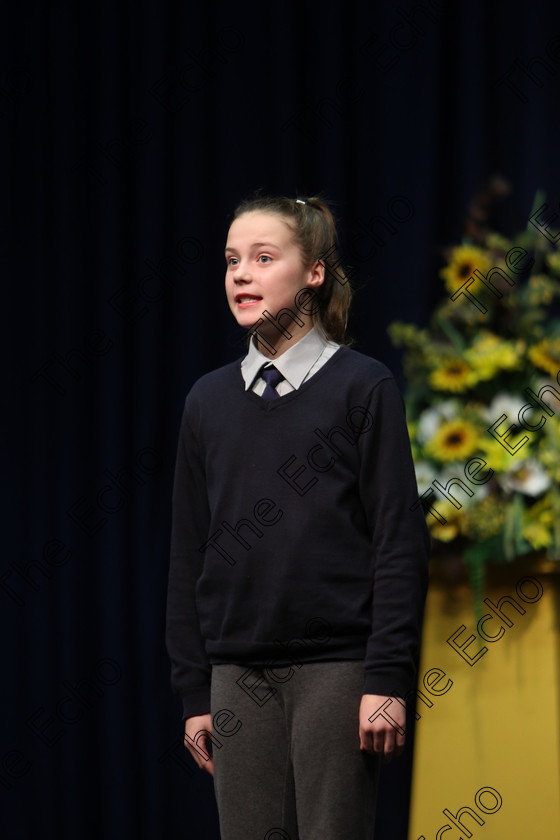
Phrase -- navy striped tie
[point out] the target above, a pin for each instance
(272, 377)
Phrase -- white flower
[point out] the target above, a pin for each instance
(431, 419)
(457, 470)
(504, 403)
(548, 397)
(425, 474)
(528, 478)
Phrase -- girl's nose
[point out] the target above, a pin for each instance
(243, 271)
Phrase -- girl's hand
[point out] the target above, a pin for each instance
(199, 745)
(384, 734)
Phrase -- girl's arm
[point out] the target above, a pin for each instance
(401, 547)
(190, 668)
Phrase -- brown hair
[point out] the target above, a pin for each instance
(314, 230)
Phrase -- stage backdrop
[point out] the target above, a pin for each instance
(130, 132)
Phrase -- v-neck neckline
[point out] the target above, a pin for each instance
(268, 405)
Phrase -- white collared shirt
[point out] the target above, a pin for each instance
(297, 364)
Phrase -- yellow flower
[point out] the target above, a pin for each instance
(484, 520)
(553, 261)
(454, 440)
(541, 289)
(539, 536)
(549, 448)
(449, 529)
(455, 375)
(495, 454)
(497, 242)
(407, 335)
(490, 354)
(464, 260)
(546, 355)
(550, 460)
(538, 524)
(540, 512)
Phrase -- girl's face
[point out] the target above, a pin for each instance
(265, 272)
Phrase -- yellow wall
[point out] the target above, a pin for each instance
(497, 725)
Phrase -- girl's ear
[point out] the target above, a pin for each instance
(317, 274)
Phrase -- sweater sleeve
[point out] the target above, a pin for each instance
(190, 667)
(401, 546)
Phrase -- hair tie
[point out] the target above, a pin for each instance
(300, 201)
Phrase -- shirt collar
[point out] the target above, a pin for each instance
(294, 364)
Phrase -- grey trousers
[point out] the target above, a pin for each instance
(287, 759)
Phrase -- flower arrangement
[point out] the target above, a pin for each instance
(487, 449)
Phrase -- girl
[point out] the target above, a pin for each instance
(299, 555)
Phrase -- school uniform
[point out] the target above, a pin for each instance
(298, 575)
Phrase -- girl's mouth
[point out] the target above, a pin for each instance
(246, 301)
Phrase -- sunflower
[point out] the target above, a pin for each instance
(431, 418)
(454, 375)
(546, 355)
(455, 440)
(464, 260)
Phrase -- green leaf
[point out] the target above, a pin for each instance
(452, 334)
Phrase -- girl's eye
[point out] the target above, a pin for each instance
(264, 257)
(232, 261)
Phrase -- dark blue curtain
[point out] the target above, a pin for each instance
(130, 131)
